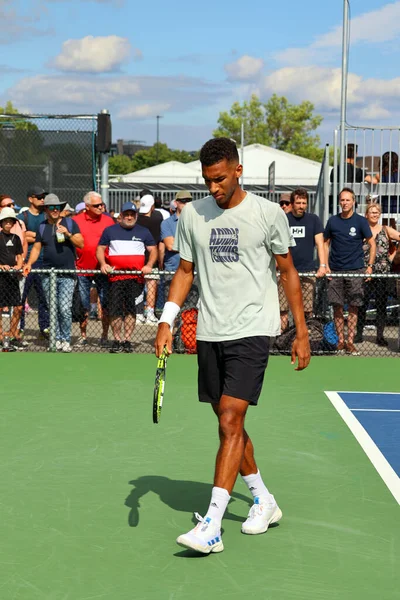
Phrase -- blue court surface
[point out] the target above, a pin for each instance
(374, 420)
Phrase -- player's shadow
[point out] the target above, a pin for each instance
(183, 496)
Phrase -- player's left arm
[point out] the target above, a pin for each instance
(291, 285)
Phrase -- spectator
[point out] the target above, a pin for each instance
(377, 287)
(80, 208)
(32, 218)
(307, 231)
(68, 211)
(353, 174)
(344, 234)
(125, 244)
(159, 208)
(284, 203)
(390, 174)
(18, 229)
(168, 232)
(91, 224)
(151, 219)
(11, 257)
(58, 237)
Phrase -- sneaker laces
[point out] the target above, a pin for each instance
(202, 521)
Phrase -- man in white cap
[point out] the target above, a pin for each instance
(151, 219)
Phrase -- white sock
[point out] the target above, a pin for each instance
(150, 311)
(257, 487)
(218, 504)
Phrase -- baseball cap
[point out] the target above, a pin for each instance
(172, 205)
(184, 196)
(79, 207)
(146, 203)
(128, 206)
(52, 199)
(8, 213)
(69, 208)
(36, 190)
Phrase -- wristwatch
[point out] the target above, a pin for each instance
(369, 265)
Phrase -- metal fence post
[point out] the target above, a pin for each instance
(53, 310)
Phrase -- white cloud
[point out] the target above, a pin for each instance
(126, 96)
(16, 24)
(245, 68)
(93, 54)
(374, 27)
(369, 99)
(143, 111)
(374, 111)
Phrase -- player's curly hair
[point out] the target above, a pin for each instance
(218, 149)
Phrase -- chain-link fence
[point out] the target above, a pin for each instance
(86, 312)
(55, 152)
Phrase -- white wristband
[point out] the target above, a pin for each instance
(169, 313)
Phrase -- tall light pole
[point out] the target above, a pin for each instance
(158, 117)
(343, 100)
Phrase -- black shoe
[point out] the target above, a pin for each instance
(116, 348)
(18, 344)
(127, 346)
(381, 341)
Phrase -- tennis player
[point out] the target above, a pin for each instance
(233, 239)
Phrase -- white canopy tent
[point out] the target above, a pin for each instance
(290, 170)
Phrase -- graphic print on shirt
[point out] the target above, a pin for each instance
(224, 244)
(298, 231)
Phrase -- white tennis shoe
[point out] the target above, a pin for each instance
(204, 538)
(261, 515)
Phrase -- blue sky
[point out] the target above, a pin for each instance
(188, 61)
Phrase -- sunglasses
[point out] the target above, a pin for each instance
(8, 205)
(53, 207)
(40, 197)
(97, 205)
(284, 203)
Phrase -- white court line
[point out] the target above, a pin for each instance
(380, 463)
(374, 410)
(376, 393)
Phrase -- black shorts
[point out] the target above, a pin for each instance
(232, 368)
(122, 296)
(9, 290)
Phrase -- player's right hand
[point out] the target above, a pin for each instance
(163, 339)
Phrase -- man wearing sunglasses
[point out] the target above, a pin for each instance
(92, 223)
(32, 218)
(58, 237)
(284, 203)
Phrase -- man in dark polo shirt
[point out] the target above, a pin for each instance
(307, 231)
(344, 235)
(58, 237)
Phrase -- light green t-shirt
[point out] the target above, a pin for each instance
(232, 251)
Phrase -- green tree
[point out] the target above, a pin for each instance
(276, 123)
(120, 165)
(17, 122)
(157, 154)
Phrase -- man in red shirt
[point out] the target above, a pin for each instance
(92, 223)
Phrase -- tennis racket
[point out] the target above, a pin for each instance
(159, 386)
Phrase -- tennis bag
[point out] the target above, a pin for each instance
(185, 337)
(323, 338)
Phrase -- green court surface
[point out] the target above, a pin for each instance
(93, 494)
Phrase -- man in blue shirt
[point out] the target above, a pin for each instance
(344, 235)
(307, 231)
(58, 237)
(32, 218)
